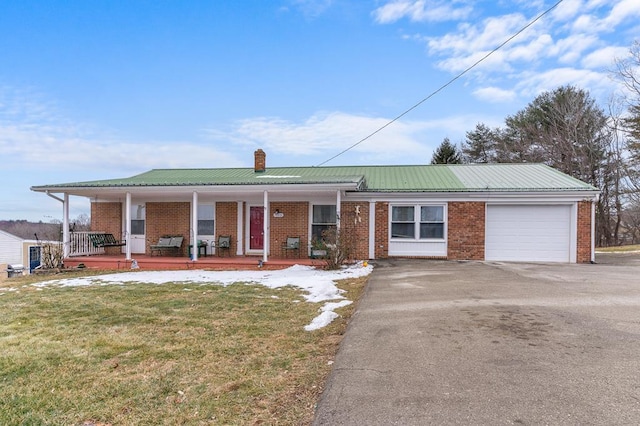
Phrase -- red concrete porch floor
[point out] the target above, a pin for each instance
(155, 263)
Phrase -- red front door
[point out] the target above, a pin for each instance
(256, 228)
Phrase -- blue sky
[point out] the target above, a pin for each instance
(107, 89)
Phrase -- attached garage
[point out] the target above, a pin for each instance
(531, 233)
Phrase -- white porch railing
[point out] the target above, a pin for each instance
(80, 244)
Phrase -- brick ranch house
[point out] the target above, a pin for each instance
(496, 212)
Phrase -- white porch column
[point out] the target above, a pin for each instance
(194, 226)
(338, 201)
(240, 231)
(65, 227)
(127, 225)
(265, 227)
(372, 229)
(593, 230)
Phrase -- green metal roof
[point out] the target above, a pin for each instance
(418, 178)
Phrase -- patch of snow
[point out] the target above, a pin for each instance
(327, 315)
(318, 285)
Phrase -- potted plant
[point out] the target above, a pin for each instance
(318, 248)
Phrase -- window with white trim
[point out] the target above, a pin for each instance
(417, 222)
(323, 218)
(138, 216)
(206, 217)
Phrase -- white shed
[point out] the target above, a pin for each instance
(11, 249)
(17, 251)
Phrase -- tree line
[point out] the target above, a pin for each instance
(566, 129)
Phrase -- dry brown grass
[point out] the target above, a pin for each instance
(619, 249)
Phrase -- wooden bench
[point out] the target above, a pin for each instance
(105, 240)
(168, 243)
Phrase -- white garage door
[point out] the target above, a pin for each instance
(528, 233)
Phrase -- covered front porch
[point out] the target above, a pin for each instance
(147, 262)
(83, 252)
(191, 211)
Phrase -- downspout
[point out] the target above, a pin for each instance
(65, 222)
(338, 203)
(372, 229)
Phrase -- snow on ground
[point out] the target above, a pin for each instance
(318, 285)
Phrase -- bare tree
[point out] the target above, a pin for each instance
(563, 128)
(627, 72)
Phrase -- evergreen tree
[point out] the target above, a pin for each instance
(446, 153)
(480, 145)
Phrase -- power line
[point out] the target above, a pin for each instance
(448, 83)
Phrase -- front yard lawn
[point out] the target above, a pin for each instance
(177, 353)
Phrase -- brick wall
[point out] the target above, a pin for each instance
(293, 223)
(382, 230)
(227, 222)
(168, 219)
(583, 254)
(466, 225)
(107, 217)
(354, 222)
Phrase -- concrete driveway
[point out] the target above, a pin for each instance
(438, 342)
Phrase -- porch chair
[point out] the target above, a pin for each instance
(291, 246)
(224, 245)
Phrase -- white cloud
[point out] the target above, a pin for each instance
(327, 132)
(51, 148)
(421, 11)
(572, 45)
(622, 11)
(472, 42)
(33, 132)
(567, 10)
(532, 84)
(472, 38)
(569, 50)
(604, 58)
(494, 94)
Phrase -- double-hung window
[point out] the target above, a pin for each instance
(417, 222)
(138, 215)
(323, 218)
(403, 222)
(206, 216)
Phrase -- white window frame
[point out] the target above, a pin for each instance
(327, 224)
(139, 216)
(212, 219)
(417, 216)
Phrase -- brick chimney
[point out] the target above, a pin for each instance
(260, 161)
